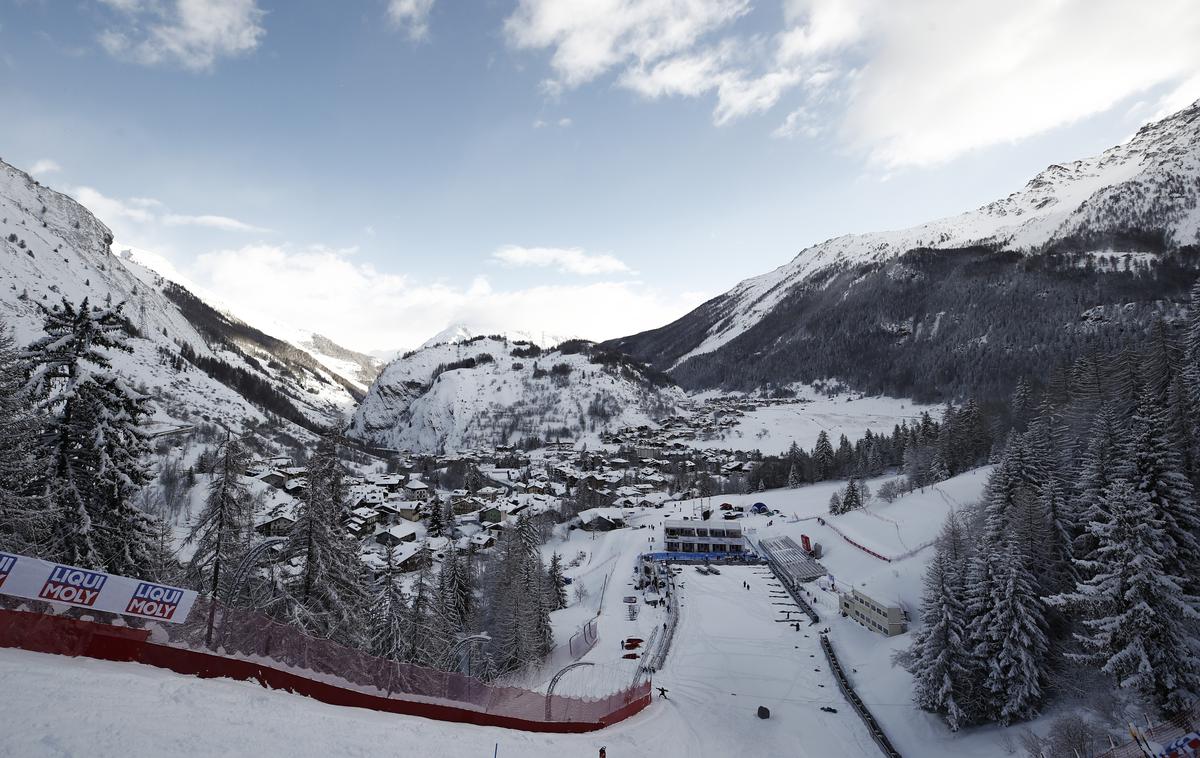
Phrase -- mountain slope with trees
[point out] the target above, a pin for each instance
(1097, 249)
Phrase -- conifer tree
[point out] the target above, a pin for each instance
(389, 634)
(942, 673)
(23, 507)
(852, 499)
(327, 594)
(435, 524)
(223, 529)
(1139, 622)
(824, 463)
(835, 504)
(556, 584)
(93, 445)
(1011, 641)
(1157, 472)
(794, 480)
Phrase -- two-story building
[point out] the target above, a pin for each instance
(888, 620)
(694, 536)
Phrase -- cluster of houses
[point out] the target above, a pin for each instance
(388, 512)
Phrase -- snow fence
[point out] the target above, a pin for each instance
(252, 647)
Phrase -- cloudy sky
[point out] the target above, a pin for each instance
(378, 169)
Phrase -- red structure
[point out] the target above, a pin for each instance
(253, 648)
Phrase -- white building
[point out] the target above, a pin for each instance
(888, 620)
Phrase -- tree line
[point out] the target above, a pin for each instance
(1082, 561)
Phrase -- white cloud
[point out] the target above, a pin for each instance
(411, 16)
(223, 223)
(591, 37)
(571, 260)
(799, 123)
(131, 217)
(955, 76)
(190, 33)
(907, 84)
(357, 305)
(44, 166)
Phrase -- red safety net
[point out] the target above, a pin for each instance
(271, 647)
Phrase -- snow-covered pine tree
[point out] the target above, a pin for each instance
(435, 524)
(389, 636)
(92, 442)
(794, 480)
(835, 504)
(1103, 462)
(327, 594)
(1140, 623)
(823, 457)
(429, 636)
(1192, 346)
(521, 632)
(456, 593)
(222, 531)
(1011, 641)
(943, 677)
(851, 498)
(1021, 404)
(556, 585)
(23, 512)
(1057, 560)
(1157, 472)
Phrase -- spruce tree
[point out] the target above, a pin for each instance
(435, 524)
(93, 443)
(1140, 623)
(852, 499)
(942, 674)
(23, 507)
(1157, 472)
(823, 460)
(327, 594)
(556, 586)
(1011, 641)
(223, 529)
(389, 634)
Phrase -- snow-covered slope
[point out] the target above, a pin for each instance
(488, 391)
(51, 248)
(1147, 186)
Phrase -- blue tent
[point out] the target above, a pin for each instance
(760, 508)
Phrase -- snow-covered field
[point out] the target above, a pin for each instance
(772, 428)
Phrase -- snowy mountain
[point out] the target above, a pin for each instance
(1136, 202)
(489, 390)
(198, 365)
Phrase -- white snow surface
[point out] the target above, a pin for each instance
(772, 428)
(730, 655)
(52, 247)
(501, 401)
(1159, 166)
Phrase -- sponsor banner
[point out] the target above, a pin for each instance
(22, 576)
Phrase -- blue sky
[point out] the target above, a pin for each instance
(375, 170)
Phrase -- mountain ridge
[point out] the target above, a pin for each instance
(1139, 198)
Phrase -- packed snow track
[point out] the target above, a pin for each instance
(730, 656)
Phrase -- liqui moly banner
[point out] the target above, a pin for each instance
(22, 576)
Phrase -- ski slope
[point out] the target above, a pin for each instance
(730, 655)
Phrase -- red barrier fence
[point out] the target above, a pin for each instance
(254, 648)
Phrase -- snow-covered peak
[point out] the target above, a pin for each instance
(1151, 182)
(451, 335)
(490, 390)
